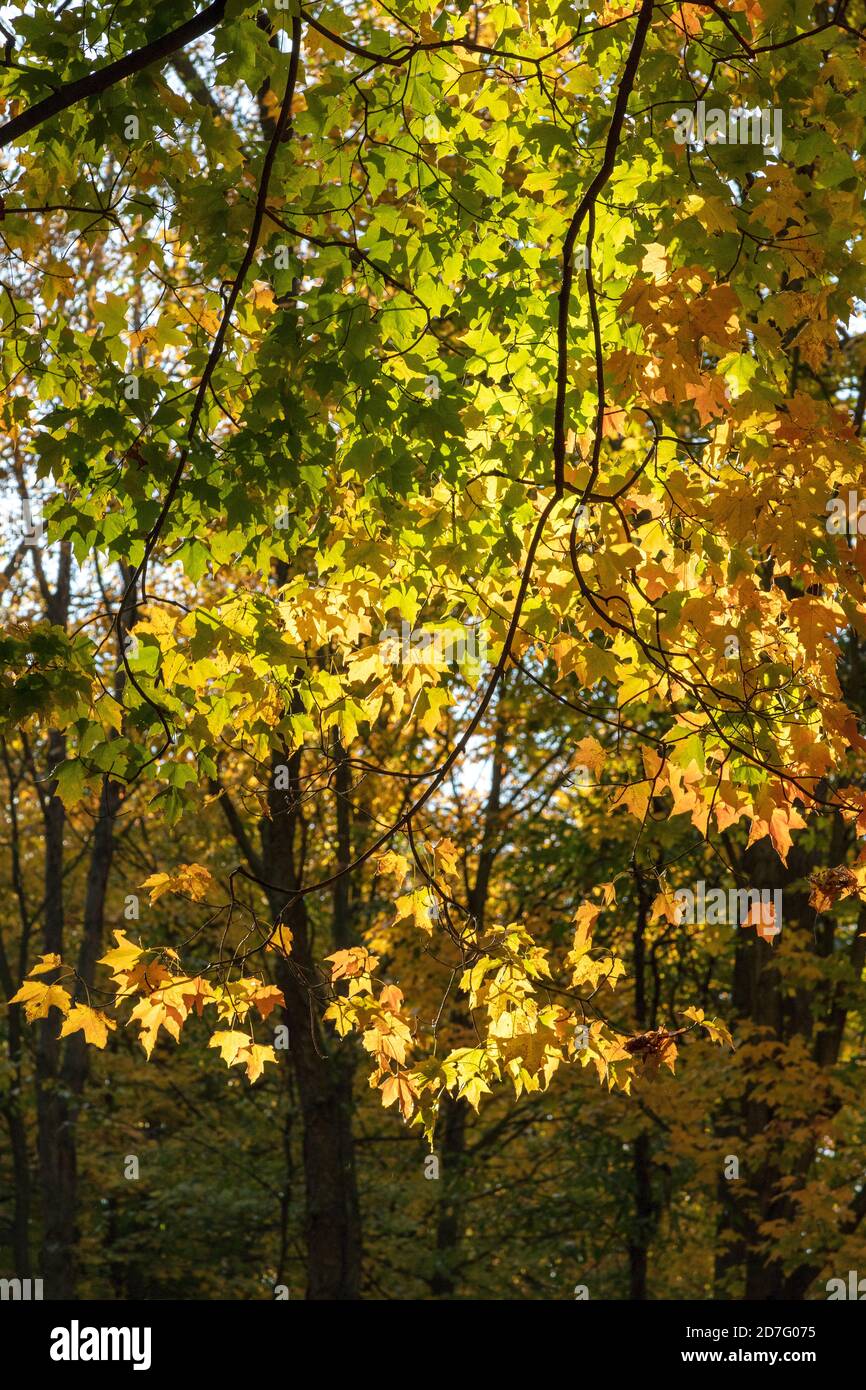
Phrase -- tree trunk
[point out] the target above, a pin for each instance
(55, 1137)
(332, 1224)
(646, 1206)
(450, 1143)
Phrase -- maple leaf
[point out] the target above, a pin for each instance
(398, 1087)
(193, 880)
(46, 963)
(416, 905)
(392, 863)
(391, 998)
(447, 856)
(281, 940)
(654, 1049)
(655, 262)
(666, 904)
(255, 1057)
(122, 957)
(762, 916)
(266, 998)
(158, 884)
(344, 1017)
(465, 1071)
(777, 822)
(388, 1039)
(231, 1045)
(585, 919)
(718, 1032)
(635, 798)
(589, 753)
(195, 993)
(353, 961)
(91, 1022)
(144, 977)
(713, 1027)
(38, 998)
(830, 886)
(153, 1013)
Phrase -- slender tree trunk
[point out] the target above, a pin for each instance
(332, 1224)
(55, 1139)
(14, 1117)
(450, 1144)
(75, 1059)
(11, 981)
(61, 1072)
(645, 1216)
(646, 1207)
(743, 1267)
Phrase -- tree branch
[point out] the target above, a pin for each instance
(95, 83)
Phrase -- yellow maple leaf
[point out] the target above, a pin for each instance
(255, 1058)
(342, 1015)
(667, 905)
(38, 999)
(231, 1044)
(392, 863)
(777, 822)
(446, 858)
(281, 940)
(589, 753)
(158, 884)
(46, 963)
(91, 1022)
(195, 993)
(398, 1087)
(585, 919)
(655, 262)
(123, 956)
(154, 1013)
(416, 905)
(193, 880)
(353, 961)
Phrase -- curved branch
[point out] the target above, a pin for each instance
(95, 83)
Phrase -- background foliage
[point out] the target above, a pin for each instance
(451, 484)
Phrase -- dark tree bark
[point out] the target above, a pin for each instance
(12, 1105)
(760, 1006)
(55, 1137)
(62, 1068)
(646, 1213)
(450, 1144)
(332, 1223)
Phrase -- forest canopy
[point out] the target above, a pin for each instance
(434, 623)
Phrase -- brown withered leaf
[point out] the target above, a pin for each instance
(830, 886)
(654, 1048)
